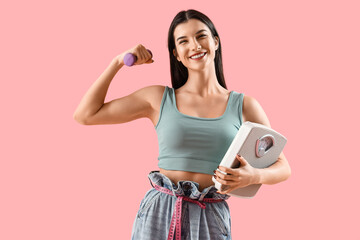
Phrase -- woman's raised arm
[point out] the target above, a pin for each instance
(93, 110)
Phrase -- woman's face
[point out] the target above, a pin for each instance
(191, 38)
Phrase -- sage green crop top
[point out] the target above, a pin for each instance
(195, 144)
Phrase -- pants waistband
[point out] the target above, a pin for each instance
(185, 188)
(176, 217)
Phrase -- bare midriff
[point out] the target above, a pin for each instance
(203, 179)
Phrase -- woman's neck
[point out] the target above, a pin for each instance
(203, 82)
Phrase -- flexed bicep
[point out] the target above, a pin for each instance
(125, 109)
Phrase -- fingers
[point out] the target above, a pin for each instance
(224, 176)
(226, 189)
(242, 160)
(149, 61)
(229, 171)
(148, 56)
(142, 54)
(233, 178)
(227, 181)
(235, 172)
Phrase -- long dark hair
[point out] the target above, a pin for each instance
(179, 73)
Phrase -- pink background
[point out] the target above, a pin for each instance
(63, 180)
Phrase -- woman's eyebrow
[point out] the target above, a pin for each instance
(202, 30)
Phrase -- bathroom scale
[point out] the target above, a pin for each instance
(259, 145)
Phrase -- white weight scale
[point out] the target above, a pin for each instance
(259, 145)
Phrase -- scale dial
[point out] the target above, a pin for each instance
(264, 144)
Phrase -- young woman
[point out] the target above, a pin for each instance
(195, 121)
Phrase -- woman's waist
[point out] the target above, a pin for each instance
(204, 180)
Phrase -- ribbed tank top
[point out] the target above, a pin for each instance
(195, 144)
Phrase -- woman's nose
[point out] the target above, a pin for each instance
(196, 45)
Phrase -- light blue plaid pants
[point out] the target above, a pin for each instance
(154, 217)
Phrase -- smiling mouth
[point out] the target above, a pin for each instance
(198, 56)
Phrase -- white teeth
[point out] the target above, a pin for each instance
(199, 55)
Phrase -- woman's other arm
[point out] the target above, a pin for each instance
(246, 174)
(280, 170)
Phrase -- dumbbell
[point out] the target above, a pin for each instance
(130, 59)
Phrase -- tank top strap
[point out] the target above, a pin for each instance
(166, 105)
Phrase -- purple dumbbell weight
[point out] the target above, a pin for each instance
(130, 59)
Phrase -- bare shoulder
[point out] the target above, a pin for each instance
(150, 94)
(253, 112)
(153, 94)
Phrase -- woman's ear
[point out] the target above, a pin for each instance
(175, 54)
(216, 42)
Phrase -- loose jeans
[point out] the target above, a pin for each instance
(200, 218)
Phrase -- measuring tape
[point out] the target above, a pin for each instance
(176, 217)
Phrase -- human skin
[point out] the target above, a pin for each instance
(201, 90)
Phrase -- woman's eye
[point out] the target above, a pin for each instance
(202, 35)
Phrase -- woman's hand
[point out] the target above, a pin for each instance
(237, 178)
(142, 54)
